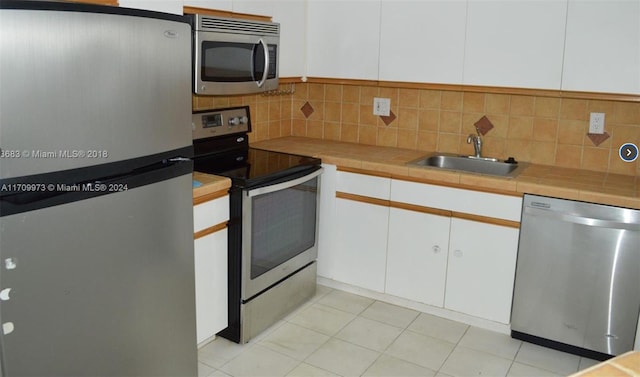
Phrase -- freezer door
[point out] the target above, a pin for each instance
(102, 286)
(81, 89)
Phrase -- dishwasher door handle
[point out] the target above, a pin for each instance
(576, 219)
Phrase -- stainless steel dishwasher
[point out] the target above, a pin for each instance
(577, 285)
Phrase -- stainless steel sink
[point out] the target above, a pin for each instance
(471, 164)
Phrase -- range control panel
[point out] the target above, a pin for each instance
(220, 122)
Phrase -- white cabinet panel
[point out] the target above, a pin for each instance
(602, 51)
(343, 39)
(517, 43)
(210, 213)
(226, 5)
(167, 6)
(459, 200)
(417, 256)
(422, 41)
(361, 244)
(292, 18)
(211, 284)
(365, 185)
(257, 7)
(481, 269)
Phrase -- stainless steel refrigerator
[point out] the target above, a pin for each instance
(96, 224)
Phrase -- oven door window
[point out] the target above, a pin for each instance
(232, 62)
(283, 225)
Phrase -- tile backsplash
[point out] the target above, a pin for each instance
(538, 129)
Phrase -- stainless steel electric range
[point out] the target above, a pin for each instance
(273, 226)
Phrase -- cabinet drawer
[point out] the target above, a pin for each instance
(458, 200)
(210, 213)
(365, 185)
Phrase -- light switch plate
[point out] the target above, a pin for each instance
(381, 106)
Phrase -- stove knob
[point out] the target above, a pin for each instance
(234, 121)
(244, 120)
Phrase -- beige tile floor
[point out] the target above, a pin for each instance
(342, 334)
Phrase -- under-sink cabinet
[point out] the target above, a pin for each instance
(210, 216)
(447, 247)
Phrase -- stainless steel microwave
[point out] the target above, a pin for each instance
(234, 56)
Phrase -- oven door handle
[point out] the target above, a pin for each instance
(284, 185)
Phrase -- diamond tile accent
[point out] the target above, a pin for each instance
(307, 109)
(483, 125)
(388, 119)
(598, 139)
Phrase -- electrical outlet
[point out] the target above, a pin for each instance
(381, 106)
(596, 123)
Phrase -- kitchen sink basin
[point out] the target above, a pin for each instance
(471, 164)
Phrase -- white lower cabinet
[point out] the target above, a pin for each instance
(417, 256)
(481, 269)
(211, 284)
(360, 248)
(210, 262)
(413, 240)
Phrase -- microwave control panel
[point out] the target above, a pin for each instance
(220, 122)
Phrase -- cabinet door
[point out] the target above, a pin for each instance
(602, 51)
(261, 8)
(422, 41)
(515, 43)
(169, 6)
(292, 18)
(361, 244)
(211, 284)
(343, 39)
(417, 256)
(226, 5)
(481, 269)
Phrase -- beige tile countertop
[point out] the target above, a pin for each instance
(210, 184)
(575, 184)
(626, 365)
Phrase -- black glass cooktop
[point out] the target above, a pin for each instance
(251, 167)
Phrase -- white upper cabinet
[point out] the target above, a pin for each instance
(516, 43)
(226, 5)
(257, 7)
(422, 41)
(292, 18)
(168, 6)
(291, 15)
(343, 39)
(602, 52)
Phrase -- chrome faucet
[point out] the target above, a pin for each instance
(477, 143)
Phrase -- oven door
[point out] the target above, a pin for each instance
(279, 231)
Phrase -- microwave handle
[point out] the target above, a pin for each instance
(266, 64)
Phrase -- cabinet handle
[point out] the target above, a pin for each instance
(458, 253)
(436, 249)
